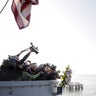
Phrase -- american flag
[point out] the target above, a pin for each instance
(22, 11)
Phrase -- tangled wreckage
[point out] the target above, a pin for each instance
(14, 69)
(21, 77)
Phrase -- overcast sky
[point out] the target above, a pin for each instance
(63, 30)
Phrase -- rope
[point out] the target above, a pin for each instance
(4, 6)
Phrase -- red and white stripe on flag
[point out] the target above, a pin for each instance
(22, 11)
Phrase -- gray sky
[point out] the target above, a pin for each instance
(64, 31)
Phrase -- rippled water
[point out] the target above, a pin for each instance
(89, 85)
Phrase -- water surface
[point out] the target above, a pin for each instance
(89, 85)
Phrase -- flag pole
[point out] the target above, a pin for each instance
(4, 6)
